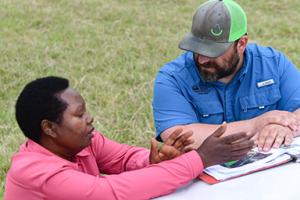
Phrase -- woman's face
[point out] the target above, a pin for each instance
(74, 133)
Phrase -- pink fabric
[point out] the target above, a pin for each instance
(36, 173)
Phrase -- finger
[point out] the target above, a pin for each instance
(279, 140)
(188, 149)
(234, 137)
(293, 122)
(293, 127)
(261, 139)
(188, 142)
(236, 155)
(285, 118)
(255, 137)
(239, 156)
(252, 136)
(242, 145)
(171, 139)
(288, 139)
(182, 139)
(220, 130)
(162, 157)
(270, 139)
(169, 152)
(153, 151)
(179, 142)
(249, 137)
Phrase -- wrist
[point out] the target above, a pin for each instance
(202, 157)
(257, 124)
(250, 125)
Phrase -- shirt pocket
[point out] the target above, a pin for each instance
(209, 112)
(259, 103)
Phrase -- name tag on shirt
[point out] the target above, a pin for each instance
(265, 83)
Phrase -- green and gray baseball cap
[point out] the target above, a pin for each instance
(216, 25)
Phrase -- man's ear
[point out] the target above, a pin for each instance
(242, 44)
(48, 128)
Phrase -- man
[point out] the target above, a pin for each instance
(221, 78)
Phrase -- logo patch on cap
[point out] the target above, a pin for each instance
(216, 30)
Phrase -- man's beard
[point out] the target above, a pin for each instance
(220, 71)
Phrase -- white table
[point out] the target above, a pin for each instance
(279, 183)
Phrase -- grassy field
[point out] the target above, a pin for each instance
(111, 51)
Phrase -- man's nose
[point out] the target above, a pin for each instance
(202, 59)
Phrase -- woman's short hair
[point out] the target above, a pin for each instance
(39, 101)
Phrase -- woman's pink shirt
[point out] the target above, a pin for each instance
(37, 173)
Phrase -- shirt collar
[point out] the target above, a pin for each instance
(84, 152)
(245, 66)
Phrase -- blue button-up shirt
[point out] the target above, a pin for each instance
(266, 81)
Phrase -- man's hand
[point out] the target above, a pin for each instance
(175, 145)
(216, 150)
(273, 135)
(283, 118)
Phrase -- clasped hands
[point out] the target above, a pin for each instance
(214, 150)
(272, 129)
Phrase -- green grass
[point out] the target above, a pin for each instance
(111, 51)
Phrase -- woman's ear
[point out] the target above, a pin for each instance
(48, 128)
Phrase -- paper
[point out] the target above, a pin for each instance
(255, 161)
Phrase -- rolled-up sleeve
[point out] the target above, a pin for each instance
(170, 107)
(146, 183)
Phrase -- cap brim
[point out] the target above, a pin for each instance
(204, 47)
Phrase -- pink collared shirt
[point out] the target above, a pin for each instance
(36, 173)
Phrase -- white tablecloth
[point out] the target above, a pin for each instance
(279, 183)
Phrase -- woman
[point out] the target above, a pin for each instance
(64, 156)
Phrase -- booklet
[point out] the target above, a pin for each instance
(254, 161)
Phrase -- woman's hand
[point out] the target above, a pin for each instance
(175, 145)
(217, 150)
